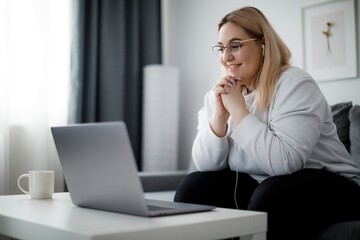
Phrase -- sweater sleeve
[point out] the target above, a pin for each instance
(209, 152)
(296, 114)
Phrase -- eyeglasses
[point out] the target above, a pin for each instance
(233, 47)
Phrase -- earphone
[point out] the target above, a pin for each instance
(235, 189)
(236, 185)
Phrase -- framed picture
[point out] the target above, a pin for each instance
(329, 33)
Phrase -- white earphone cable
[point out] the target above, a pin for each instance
(235, 190)
(236, 184)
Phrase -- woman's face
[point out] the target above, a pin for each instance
(244, 62)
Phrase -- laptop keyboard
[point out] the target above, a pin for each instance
(158, 208)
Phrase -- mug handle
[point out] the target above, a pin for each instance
(19, 185)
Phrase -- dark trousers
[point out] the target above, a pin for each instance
(299, 205)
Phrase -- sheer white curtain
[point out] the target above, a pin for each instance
(34, 77)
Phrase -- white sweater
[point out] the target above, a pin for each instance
(296, 131)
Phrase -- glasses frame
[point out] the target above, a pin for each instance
(220, 54)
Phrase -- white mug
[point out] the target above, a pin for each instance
(41, 184)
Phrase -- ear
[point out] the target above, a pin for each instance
(263, 40)
(263, 46)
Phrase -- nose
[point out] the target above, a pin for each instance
(227, 55)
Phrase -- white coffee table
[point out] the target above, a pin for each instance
(57, 218)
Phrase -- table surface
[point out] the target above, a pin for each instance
(57, 218)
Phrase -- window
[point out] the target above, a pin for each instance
(34, 79)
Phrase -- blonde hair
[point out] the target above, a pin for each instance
(277, 54)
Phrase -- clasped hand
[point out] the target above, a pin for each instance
(229, 100)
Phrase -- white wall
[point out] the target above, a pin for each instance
(189, 31)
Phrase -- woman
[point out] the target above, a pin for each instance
(266, 140)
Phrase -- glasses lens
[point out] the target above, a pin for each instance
(218, 50)
(234, 48)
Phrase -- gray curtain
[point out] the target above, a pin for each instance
(112, 40)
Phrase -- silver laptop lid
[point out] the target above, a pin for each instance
(99, 167)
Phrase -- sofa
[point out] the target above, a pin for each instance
(346, 117)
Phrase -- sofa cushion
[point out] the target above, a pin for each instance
(354, 117)
(341, 231)
(340, 114)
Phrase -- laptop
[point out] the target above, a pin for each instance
(101, 173)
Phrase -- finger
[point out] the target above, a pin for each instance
(230, 81)
(215, 87)
(227, 89)
(220, 84)
(225, 79)
(219, 90)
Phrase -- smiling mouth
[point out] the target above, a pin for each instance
(233, 67)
